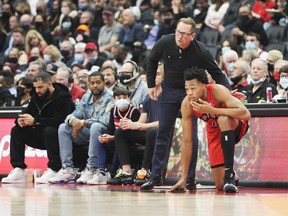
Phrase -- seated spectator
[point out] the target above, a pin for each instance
(66, 50)
(229, 59)
(122, 111)
(52, 70)
(38, 129)
(35, 67)
(41, 25)
(168, 22)
(278, 64)
(283, 85)
(82, 34)
(227, 44)
(239, 75)
(198, 12)
(92, 56)
(83, 127)
(34, 39)
(131, 30)
(215, 14)
(260, 11)
(142, 132)
(51, 54)
(247, 23)
(272, 57)
(129, 76)
(256, 91)
(120, 54)
(79, 53)
(24, 89)
(87, 19)
(82, 77)
(65, 77)
(5, 94)
(252, 42)
(36, 54)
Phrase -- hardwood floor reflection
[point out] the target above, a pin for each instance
(63, 200)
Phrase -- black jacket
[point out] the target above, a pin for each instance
(176, 61)
(53, 111)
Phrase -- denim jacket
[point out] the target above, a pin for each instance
(86, 108)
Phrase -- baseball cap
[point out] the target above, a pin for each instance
(51, 68)
(109, 11)
(83, 28)
(90, 46)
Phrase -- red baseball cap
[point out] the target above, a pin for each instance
(90, 46)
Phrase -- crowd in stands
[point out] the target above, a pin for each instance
(86, 43)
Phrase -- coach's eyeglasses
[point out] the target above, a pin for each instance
(183, 34)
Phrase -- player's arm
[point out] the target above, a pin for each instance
(235, 109)
(186, 145)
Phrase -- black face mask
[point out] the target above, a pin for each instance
(236, 79)
(65, 53)
(244, 19)
(270, 67)
(5, 15)
(119, 60)
(25, 27)
(122, 78)
(12, 60)
(38, 24)
(39, 10)
(167, 21)
(33, 58)
(20, 91)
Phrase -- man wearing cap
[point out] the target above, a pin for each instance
(87, 18)
(52, 69)
(92, 56)
(109, 32)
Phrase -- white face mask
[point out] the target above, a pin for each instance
(122, 104)
(256, 82)
(249, 45)
(283, 82)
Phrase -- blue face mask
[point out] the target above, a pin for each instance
(47, 58)
(225, 49)
(256, 82)
(66, 25)
(250, 45)
(229, 67)
(79, 58)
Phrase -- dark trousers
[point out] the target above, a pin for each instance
(125, 138)
(169, 105)
(46, 139)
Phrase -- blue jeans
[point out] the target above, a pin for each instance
(169, 105)
(96, 152)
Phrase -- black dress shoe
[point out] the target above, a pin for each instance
(153, 181)
(191, 184)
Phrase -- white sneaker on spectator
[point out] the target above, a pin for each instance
(67, 175)
(17, 175)
(49, 173)
(86, 175)
(100, 177)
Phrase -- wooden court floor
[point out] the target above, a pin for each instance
(67, 200)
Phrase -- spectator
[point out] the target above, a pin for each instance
(260, 11)
(83, 127)
(51, 54)
(283, 85)
(82, 77)
(272, 57)
(229, 59)
(52, 68)
(147, 16)
(34, 39)
(34, 68)
(239, 75)
(168, 22)
(256, 91)
(198, 12)
(82, 34)
(79, 53)
(66, 49)
(35, 54)
(252, 42)
(41, 25)
(120, 54)
(7, 12)
(87, 18)
(18, 42)
(25, 22)
(39, 129)
(5, 94)
(24, 89)
(92, 56)
(13, 24)
(278, 64)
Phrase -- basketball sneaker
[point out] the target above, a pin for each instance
(100, 177)
(49, 173)
(86, 175)
(67, 175)
(229, 183)
(121, 177)
(142, 177)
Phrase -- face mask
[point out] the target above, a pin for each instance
(33, 58)
(236, 79)
(12, 60)
(65, 53)
(79, 58)
(39, 10)
(256, 82)
(244, 19)
(47, 58)
(283, 4)
(5, 15)
(250, 45)
(122, 104)
(20, 91)
(270, 67)
(167, 21)
(122, 78)
(66, 25)
(24, 26)
(229, 67)
(284, 82)
(38, 24)
(82, 6)
(65, 10)
(225, 49)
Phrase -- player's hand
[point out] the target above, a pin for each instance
(201, 106)
(238, 95)
(152, 93)
(180, 186)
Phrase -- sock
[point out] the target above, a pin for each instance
(228, 146)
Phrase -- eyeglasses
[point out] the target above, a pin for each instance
(183, 34)
(284, 76)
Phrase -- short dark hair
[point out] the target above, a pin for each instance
(196, 73)
(8, 76)
(97, 74)
(42, 76)
(283, 69)
(120, 91)
(26, 81)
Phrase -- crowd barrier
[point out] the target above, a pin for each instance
(260, 157)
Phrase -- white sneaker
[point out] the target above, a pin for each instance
(64, 176)
(49, 173)
(17, 175)
(86, 175)
(100, 178)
